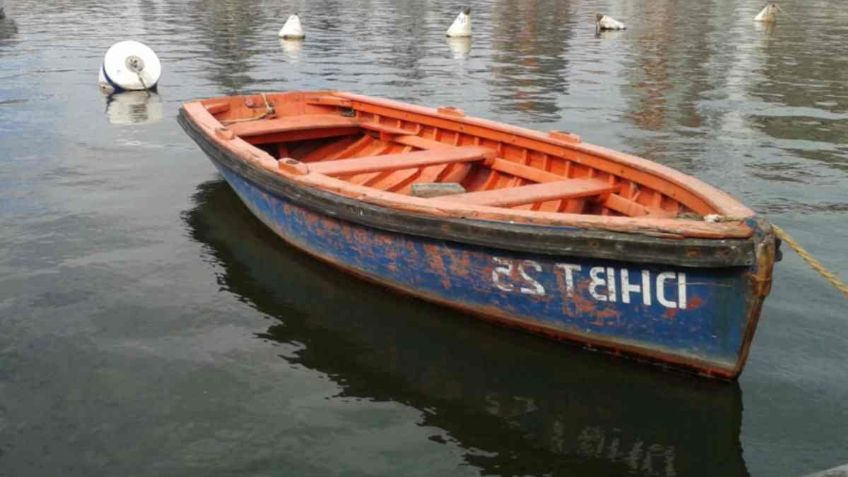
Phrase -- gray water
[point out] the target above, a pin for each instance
(149, 325)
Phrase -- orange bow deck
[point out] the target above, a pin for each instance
(540, 231)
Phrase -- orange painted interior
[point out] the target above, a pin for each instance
(375, 150)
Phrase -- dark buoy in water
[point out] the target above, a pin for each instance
(130, 66)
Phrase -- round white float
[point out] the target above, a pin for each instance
(130, 66)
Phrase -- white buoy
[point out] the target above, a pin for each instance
(133, 107)
(603, 22)
(461, 26)
(292, 30)
(130, 66)
(768, 14)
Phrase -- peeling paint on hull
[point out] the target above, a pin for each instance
(704, 325)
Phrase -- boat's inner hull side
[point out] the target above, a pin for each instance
(472, 177)
(634, 194)
(630, 200)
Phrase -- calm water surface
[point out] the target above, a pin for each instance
(150, 326)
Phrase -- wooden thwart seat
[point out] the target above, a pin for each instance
(291, 123)
(401, 161)
(622, 205)
(528, 194)
(289, 128)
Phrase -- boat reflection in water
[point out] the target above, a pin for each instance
(8, 27)
(134, 107)
(519, 404)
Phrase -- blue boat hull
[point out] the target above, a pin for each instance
(652, 294)
(701, 319)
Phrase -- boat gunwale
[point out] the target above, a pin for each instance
(564, 239)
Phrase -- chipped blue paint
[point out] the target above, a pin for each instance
(704, 320)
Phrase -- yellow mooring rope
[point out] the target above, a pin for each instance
(269, 110)
(811, 261)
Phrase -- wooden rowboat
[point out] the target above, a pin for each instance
(537, 231)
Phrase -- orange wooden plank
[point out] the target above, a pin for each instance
(566, 189)
(261, 127)
(455, 173)
(365, 179)
(396, 179)
(374, 148)
(552, 205)
(351, 150)
(368, 178)
(401, 161)
(401, 181)
(426, 174)
(631, 208)
(331, 148)
(301, 135)
(217, 108)
(524, 172)
(421, 142)
(393, 180)
(328, 100)
(385, 128)
(432, 173)
(573, 206)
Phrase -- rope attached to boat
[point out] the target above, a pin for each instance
(828, 275)
(269, 110)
